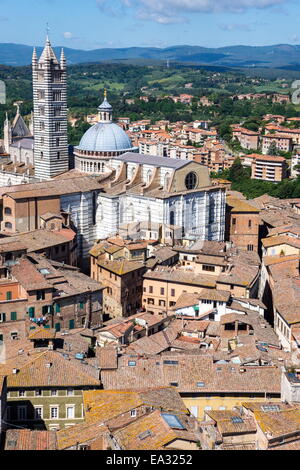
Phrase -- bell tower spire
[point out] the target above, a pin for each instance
(51, 155)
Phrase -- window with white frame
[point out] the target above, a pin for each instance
(2, 317)
(70, 411)
(54, 413)
(38, 412)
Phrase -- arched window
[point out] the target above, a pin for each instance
(149, 215)
(131, 212)
(211, 212)
(132, 172)
(194, 214)
(100, 211)
(172, 218)
(149, 176)
(8, 225)
(167, 181)
(7, 211)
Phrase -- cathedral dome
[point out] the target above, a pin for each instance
(105, 137)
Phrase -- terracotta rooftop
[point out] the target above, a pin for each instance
(275, 424)
(120, 267)
(280, 240)
(193, 373)
(66, 185)
(83, 433)
(25, 439)
(231, 422)
(244, 269)
(50, 369)
(187, 299)
(180, 276)
(36, 240)
(35, 272)
(156, 343)
(268, 158)
(152, 432)
(239, 205)
(215, 295)
(108, 357)
(42, 333)
(210, 259)
(104, 405)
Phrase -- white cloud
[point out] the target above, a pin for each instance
(235, 27)
(68, 35)
(175, 11)
(209, 6)
(161, 18)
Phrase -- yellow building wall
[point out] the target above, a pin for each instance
(216, 402)
(286, 249)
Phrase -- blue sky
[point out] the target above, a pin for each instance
(91, 24)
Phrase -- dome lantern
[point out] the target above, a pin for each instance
(105, 111)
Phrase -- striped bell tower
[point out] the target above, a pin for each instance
(50, 113)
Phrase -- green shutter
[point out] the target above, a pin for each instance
(57, 327)
(31, 312)
(13, 316)
(57, 308)
(8, 295)
(81, 305)
(4, 317)
(71, 324)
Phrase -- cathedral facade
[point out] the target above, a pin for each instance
(161, 190)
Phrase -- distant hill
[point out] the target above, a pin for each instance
(277, 56)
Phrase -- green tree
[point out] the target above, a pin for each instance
(237, 173)
(273, 150)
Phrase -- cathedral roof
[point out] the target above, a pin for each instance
(19, 128)
(105, 137)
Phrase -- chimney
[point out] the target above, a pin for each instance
(48, 365)
(15, 371)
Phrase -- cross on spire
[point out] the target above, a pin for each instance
(47, 30)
